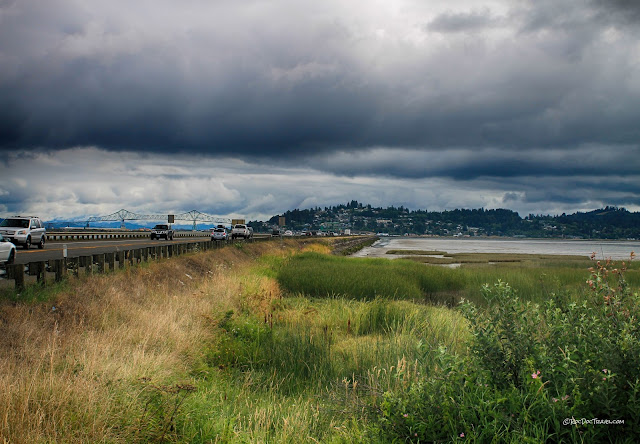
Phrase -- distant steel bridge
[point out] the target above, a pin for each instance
(193, 215)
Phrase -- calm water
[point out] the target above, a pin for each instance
(603, 249)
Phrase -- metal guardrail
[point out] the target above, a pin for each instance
(97, 235)
(59, 269)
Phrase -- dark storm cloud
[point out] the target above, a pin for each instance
(466, 164)
(247, 80)
(627, 11)
(576, 193)
(224, 89)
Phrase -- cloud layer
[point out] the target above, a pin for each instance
(513, 98)
(80, 182)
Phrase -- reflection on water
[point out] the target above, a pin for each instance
(604, 249)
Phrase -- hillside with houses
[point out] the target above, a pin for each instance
(356, 217)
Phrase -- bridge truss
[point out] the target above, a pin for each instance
(194, 216)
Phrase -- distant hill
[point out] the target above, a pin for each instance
(606, 223)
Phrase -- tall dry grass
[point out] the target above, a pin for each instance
(76, 368)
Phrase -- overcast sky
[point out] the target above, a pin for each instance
(251, 108)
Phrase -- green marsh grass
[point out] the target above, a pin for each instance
(321, 276)
(305, 361)
(486, 258)
(311, 341)
(417, 252)
(534, 277)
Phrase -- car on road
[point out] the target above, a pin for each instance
(7, 251)
(219, 234)
(241, 230)
(288, 233)
(24, 231)
(162, 231)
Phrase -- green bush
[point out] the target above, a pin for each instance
(455, 402)
(535, 372)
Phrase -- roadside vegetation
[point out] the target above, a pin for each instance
(284, 342)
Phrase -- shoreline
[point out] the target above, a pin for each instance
(604, 249)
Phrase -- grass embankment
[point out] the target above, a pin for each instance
(99, 361)
(280, 342)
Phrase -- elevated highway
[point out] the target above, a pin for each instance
(84, 243)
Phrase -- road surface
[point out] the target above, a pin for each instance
(54, 250)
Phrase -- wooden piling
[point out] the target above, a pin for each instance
(60, 269)
(40, 271)
(111, 260)
(99, 259)
(16, 272)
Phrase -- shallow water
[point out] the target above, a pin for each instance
(616, 250)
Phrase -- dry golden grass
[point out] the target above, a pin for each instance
(71, 367)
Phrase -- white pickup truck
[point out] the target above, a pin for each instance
(241, 230)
